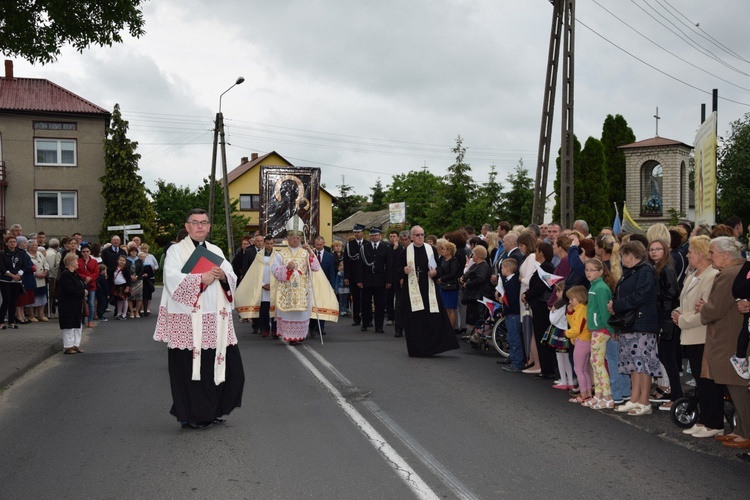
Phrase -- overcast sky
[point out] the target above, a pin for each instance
(372, 89)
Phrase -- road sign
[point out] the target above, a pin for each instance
(116, 228)
(132, 226)
(134, 231)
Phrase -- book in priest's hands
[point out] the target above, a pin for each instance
(201, 260)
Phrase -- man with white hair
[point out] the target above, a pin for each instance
(582, 227)
(426, 325)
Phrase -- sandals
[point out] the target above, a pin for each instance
(659, 396)
(604, 404)
(578, 399)
(590, 402)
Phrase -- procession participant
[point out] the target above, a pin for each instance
(396, 286)
(195, 321)
(252, 252)
(426, 325)
(390, 293)
(256, 294)
(351, 261)
(291, 268)
(373, 278)
(327, 265)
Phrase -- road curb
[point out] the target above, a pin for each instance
(30, 362)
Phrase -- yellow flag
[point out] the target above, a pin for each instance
(628, 224)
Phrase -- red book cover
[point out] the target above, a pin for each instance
(201, 260)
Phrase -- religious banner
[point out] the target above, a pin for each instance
(286, 192)
(397, 213)
(705, 171)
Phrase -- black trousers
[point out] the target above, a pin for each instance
(10, 293)
(398, 321)
(710, 394)
(668, 357)
(390, 310)
(376, 294)
(356, 302)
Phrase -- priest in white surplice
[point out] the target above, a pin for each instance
(195, 321)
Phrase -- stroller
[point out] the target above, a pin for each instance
(490, 331)
(684, 412)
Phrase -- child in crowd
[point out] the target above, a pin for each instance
(580, 337)
(600, 293)
(512, 286)
(342, 290)
(102, 292)
(559, 342)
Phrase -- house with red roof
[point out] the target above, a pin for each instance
(51, 158)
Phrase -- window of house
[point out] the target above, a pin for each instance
(56, 204)
(55, 152)
(249, 202)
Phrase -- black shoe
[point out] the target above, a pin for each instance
(323, 332)
(195, 425)
(218, 421)
(356, 322)
(544, 376)
(364, 328)
(379, 330)
(503, 361)
(399, 335)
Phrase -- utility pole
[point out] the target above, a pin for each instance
(563, 27)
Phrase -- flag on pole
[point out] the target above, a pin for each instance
(490, 304)
(501, 290)
(549, 279)
(628, 224)
(616, 225)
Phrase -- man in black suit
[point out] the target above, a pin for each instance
(351, 264)
(328, 266)
(375, 277)
(390, 293)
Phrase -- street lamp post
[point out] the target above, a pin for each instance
(219, 133)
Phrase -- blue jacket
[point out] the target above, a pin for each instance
(639, 289)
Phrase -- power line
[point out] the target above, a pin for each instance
(702, 33)
(655, 68)
(686, 39)
(667, 50)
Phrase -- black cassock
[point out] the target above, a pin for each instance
(426, 333)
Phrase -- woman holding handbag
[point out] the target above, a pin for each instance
(635, 297)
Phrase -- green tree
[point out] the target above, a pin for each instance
(171, 204)
(37, 30)
(347, 203)
(490, 198)
(378, 198)
(591, 189)
(417, 189)
(518, 202)
(122, 186)
(616, 133)
(576, 172)
(733, 172)
(455, 204)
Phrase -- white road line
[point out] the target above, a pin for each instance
(397, 463)
(432, 463)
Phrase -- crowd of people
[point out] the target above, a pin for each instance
(72, 280)
(612, 317)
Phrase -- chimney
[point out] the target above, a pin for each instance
(243, 160)
(253, 156)
(8, 68)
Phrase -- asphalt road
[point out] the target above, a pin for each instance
(356, 418)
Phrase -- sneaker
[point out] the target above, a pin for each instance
(512, 369)
(389, 322)
(103, 320)
(626, 407)
(707, 432)
(694, 429)
(640, 410)
(691, 382)
(740, 366)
